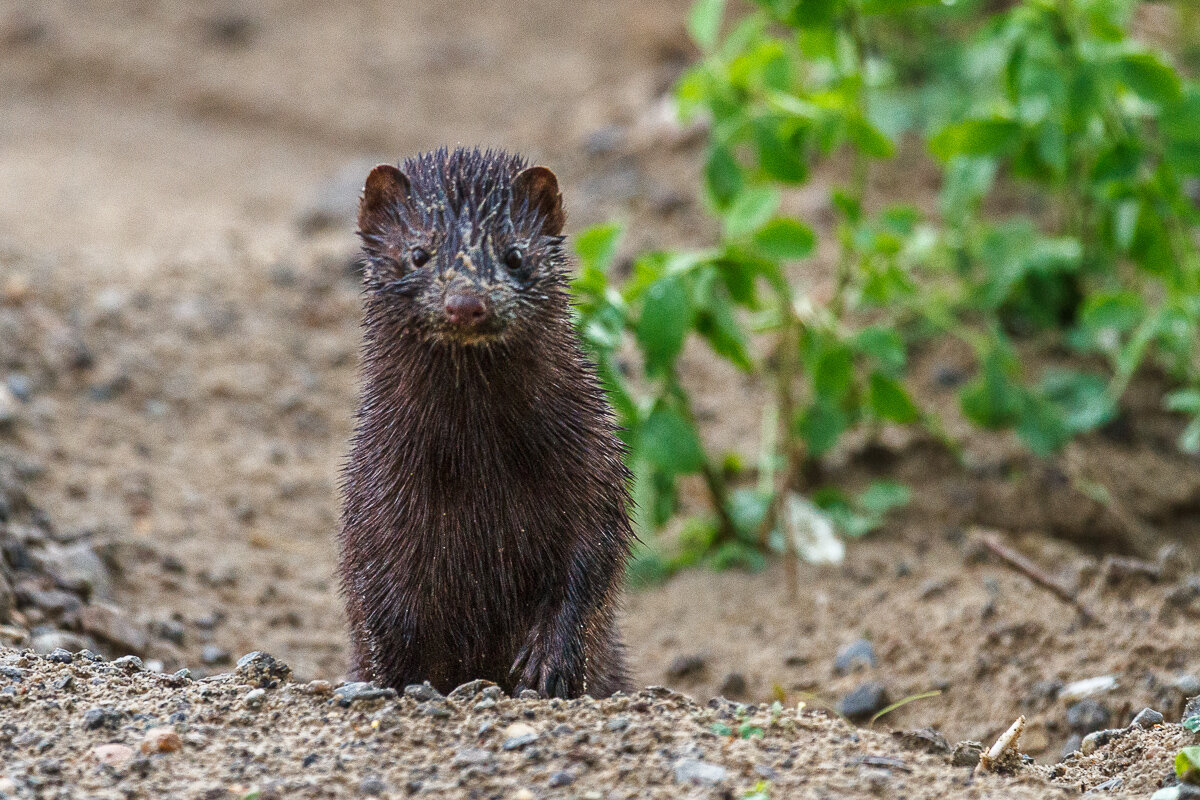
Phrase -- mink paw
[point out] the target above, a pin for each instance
(543, 669)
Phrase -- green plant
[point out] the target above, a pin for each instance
(1051, 99)
(1187, 764)
(1103, 132)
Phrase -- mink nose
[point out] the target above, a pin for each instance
(465, 310)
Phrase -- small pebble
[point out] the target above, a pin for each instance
(372, 785)
(1147, 718)
(254, 697)
(559, 779)
(112, 755)
(212, 655)
(161, 739)
(864, 701)
(129, 664)
(687, 666)
(966, 754)
(422, 692)
(695, 771)
(357, 691)
(519, 735)
(859, 654)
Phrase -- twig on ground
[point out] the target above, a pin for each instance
(1024, 565)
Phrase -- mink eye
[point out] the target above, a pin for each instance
(514, 259)
(420, 256)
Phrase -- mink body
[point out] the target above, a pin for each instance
(485, 523)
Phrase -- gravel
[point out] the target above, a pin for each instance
(116, 733)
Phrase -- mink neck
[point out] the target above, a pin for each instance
(428, 383)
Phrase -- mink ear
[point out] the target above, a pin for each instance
(539, 187)
(386, 188)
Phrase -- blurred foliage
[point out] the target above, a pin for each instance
(1049, 101)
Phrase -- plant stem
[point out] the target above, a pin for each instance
(714, 481)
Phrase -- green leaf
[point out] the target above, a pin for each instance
(1149, 78)
(976, 137)
(722, 175)
(889, 400)
(780, 154)
(1184, 401)
(806, 14)
(992, 400)
(821, 425)
(719, 327)
(748, 730)
(785, 239)
(1043, 428)
(882, 497)
(1187, 764)
(665, 319)
(704, 22)
(1083, 399)
(833, 372)
(894, 6)
(737, 555)
(868, 139)
(750, 211)
(669, 442)
(885, 346)
(597, 246)
(748, 508)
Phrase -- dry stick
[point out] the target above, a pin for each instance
(1035, 573)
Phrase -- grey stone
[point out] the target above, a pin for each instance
(695, 771)
(78, 567)
(211, 655)
(472, 757)
(1097, 739)
(734, 685)
(255, 697)
(859, 654)
(687, 666)
(60, 656)
(422, 692)
(129, 664)
(372, 785)
(361, 691)
(925, 739)
(469, 689)
(262, 670)
(864, 701)
(20, 385)
(966, 754)
(1147, 718)
(560, 779)
(518, 742)
(101, 717)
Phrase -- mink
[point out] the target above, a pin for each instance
(485, 520)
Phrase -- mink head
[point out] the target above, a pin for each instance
(464, 246)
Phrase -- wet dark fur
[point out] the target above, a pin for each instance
(484, 527)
